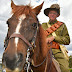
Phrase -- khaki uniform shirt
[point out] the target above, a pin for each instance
(62, 36)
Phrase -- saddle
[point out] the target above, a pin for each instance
(50, 30)
(56, 64)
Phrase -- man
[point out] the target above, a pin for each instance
(56, 32)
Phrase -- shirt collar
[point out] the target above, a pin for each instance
(52, 22)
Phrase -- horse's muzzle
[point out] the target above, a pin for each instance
(12, 63)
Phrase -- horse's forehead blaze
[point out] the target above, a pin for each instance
(21, 17)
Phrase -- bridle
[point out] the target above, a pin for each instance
(31, 47)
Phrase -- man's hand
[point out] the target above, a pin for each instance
(50, 39)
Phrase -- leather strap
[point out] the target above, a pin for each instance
(54, 34)
(21, 37)
(50, 30)
(53, 45)
(53, 28)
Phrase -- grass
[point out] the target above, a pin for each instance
(70, 69)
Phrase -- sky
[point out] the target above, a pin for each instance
(65, 16)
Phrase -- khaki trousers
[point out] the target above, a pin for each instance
(64, 64)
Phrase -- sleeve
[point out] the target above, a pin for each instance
(64, 37)
(44, 26)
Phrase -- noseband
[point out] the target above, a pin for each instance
(14, 35)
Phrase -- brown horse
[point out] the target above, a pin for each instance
(27, 49)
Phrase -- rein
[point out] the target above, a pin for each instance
(44, 59)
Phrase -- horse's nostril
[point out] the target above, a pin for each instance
(20, 57)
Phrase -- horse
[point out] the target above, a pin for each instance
(26, 49)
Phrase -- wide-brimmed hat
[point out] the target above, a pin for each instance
(55, 7)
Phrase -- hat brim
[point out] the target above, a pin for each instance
(47, 10)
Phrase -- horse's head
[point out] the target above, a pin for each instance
(22, 27)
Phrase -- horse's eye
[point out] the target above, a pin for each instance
(34, 24)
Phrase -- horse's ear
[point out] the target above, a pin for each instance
(37, 9)
(12, 5)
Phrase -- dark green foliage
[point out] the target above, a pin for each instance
(70, 62)
(70, 70)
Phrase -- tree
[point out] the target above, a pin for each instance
(70, 61)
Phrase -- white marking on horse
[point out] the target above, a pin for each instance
(22, 17)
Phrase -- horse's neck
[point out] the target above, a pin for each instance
(42, 41)
(42, 57)
(41, 49)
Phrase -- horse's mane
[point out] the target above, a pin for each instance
(19, 10)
